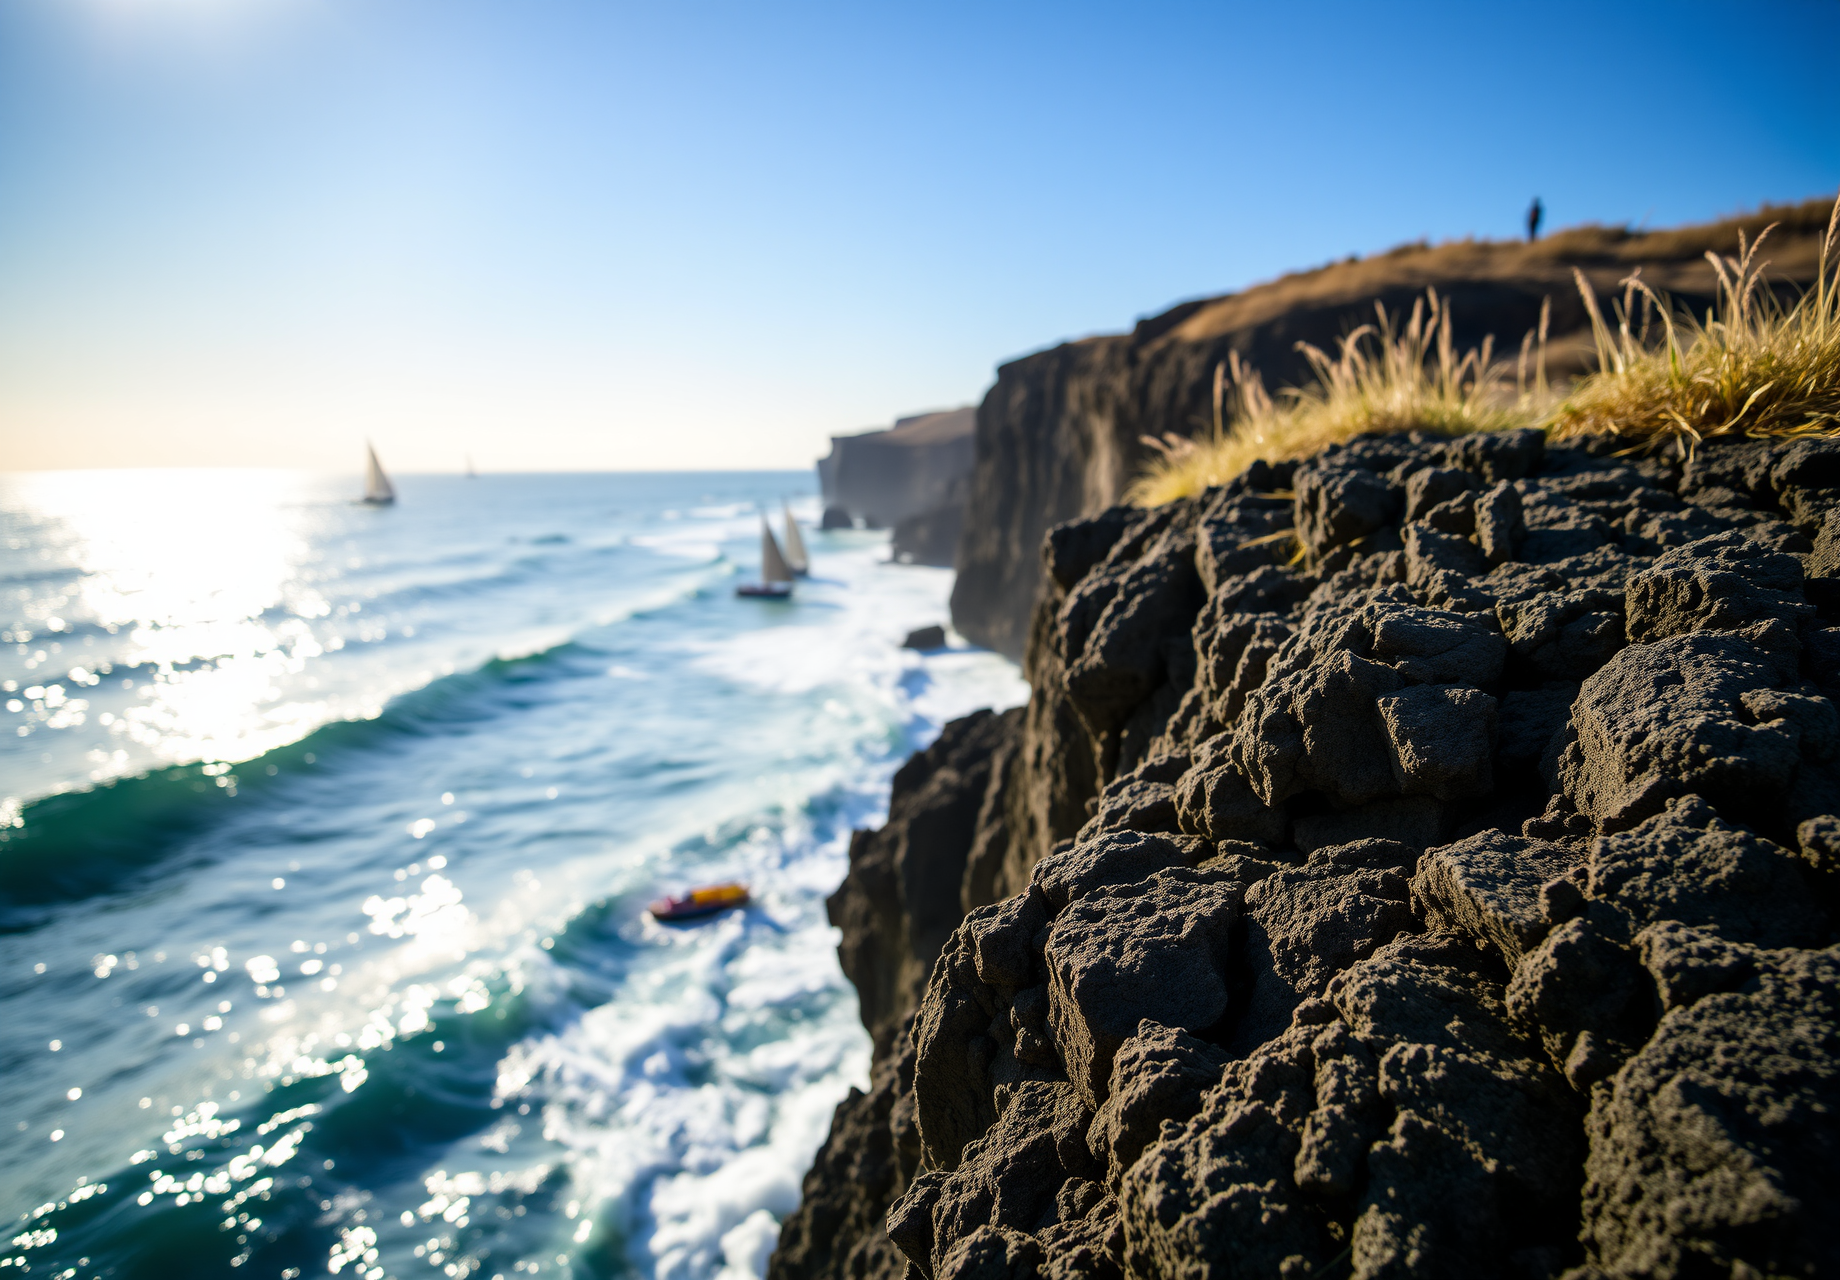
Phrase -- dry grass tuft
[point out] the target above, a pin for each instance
(1384, 379)
(1756, 366)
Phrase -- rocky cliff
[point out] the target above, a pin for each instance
(1058, 435)
(916, 469)
(1417, 861)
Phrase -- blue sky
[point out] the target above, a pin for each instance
(565, 234)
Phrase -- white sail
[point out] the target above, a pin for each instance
(773, 566)
(377, 487)
(795, 544)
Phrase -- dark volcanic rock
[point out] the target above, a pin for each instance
(1011, 1178)
(837, 1230)
(1712, 1151)
(1159, 1072)
(1479, 1163)
(1454, 899)
(1156, 949)
(1492, 887)
(1339, 504)
(1687, 866)
(901, 900)
(1703, 713)
(1720, 583)
(1307, 924)
(1118, 858)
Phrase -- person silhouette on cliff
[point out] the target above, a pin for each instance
(1535, 212)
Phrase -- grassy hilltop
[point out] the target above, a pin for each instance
(1762, 361)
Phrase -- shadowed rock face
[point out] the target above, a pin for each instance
(912, 473)
(931, 536)
(901, 899)
(1387, 901)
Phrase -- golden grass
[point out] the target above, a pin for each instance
(1383, 379)
(1755, 366)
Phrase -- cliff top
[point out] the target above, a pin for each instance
(1751, 364)
(1671, 260)
(1063, 432)
(923, 429)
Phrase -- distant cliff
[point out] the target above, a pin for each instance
(912, 472)
(1058, 436)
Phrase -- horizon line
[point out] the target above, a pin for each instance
(395, 473)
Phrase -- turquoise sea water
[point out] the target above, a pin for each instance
(327, 836)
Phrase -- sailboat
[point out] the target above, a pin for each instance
(378, 491)
(775, 574)
(796, 557)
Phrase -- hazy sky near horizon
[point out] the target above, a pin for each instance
(588, 234)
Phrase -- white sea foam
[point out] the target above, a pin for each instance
(675, 1080)
(695, 1099)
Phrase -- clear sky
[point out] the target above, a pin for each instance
(588, 234)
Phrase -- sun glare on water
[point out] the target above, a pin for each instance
(192, 580)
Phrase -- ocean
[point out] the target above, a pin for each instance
(325, 845)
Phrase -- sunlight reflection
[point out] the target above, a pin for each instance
(435, 915)
(195, 575)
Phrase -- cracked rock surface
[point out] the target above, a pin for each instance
(1419, 861)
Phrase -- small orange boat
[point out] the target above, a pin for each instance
(700, 902)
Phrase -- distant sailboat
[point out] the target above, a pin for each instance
(775, 574)
(471, 474)
(378, 491)
(796, 556)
